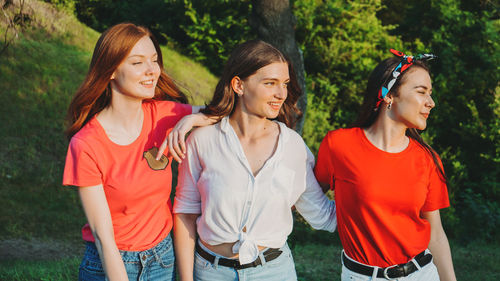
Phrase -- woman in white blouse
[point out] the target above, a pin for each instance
(242, 176)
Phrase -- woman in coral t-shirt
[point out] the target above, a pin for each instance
(389, 184)
(117, 122)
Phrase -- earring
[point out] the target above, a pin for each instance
(389, 106)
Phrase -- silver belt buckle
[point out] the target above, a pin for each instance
(386, 276)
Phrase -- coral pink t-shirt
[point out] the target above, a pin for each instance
(380, 196)
(137, 187)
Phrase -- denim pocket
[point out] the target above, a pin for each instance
(200, 263)
(91, 268)
(285, 259)
(165, 253)
(167, 259)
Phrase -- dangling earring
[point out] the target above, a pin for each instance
(389, 106)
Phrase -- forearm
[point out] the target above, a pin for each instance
(201, 120)
(184, 243)
(99, 218)
(440, 249)
(111, 259)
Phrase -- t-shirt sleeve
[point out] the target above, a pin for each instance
(174, 109)
(81, 168)
(187, 197)
(437, 194)
(324, 168)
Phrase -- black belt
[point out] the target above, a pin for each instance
(269, 255)
(391, 272)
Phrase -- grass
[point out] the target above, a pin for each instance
(38, 75)
(63, 269)
(313, 261)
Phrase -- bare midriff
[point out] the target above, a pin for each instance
(225, 249)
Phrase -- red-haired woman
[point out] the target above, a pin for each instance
(118, 119)
(389, 184)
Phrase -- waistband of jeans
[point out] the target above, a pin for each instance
(220, 256)
(158, 248)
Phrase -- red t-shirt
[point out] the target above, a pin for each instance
(137, 193)
(380, 196)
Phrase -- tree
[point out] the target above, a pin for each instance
(274, 23)
(465, 128)
(342, 43)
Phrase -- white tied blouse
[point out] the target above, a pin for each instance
(216, 181)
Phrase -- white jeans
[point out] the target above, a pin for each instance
(427, 273)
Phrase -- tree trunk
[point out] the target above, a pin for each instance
(274, 23)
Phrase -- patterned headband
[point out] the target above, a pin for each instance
(406, 61)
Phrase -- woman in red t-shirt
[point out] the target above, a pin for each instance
(117, 122)
(389, 184)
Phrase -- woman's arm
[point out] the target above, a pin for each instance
(175, 139)
(184, 243)
(440, 247)
(313, 204)
(96, 209)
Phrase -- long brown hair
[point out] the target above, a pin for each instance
(245, 60)
(368, 113)
(94, 94)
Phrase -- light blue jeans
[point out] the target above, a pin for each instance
(280, 269)
(155, 264)
(426, 273)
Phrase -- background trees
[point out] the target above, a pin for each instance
(341, 42)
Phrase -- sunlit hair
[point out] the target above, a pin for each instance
(369, 113)
(245, 60)
(94, 94)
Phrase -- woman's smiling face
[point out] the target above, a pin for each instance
(264, 92)
(413, 103)
(138, 74)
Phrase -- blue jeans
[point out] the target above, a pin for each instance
(280, 269)
(157, 263)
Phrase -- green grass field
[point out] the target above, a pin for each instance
(38, 75)
(314, 262)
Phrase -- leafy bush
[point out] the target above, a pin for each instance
(341, 42)
(465, 125)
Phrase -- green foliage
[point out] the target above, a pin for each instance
(464, 126)
(39, 73)
(206, 31)
(68, 5)
(342, 42)
(214, 28)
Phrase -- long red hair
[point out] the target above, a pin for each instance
(94, 94)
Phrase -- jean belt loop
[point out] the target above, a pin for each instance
(262, 259)
(416, 264)
(216, 262)
(157, 256)
(374, 274)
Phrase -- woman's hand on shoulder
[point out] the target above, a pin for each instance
(175, 140)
